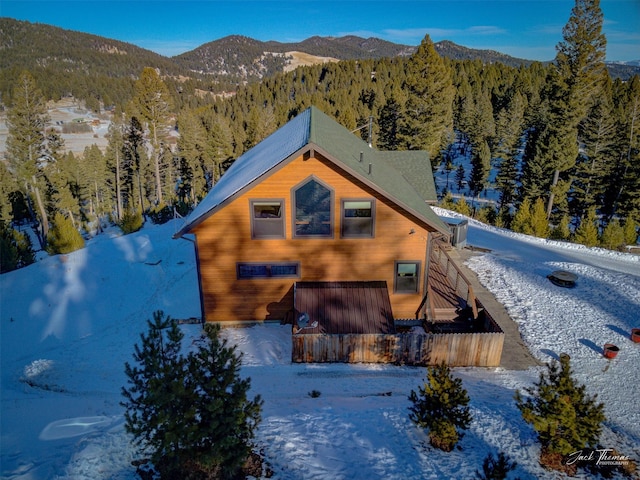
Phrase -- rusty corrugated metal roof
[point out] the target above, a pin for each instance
(344, 307)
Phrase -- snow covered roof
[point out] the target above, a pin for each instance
(314, 130)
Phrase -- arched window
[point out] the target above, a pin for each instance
(313, 209)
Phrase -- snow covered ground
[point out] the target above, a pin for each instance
(67, 327)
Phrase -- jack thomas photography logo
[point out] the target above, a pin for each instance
(598, 457)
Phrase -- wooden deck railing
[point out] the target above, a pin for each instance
(461, 285)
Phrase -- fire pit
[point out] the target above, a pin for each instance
(562, 278)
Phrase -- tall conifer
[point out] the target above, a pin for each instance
(429, 112)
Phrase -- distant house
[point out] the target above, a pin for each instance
(314, 203)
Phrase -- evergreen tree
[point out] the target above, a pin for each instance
(132, 221)
(134, 157)
(630, 232)
(8, 186)
(114, 158)
(509, 130)
(441, 406)
(194, 154)
(612, 235)
(561, 231)
(522, 219)
(495, 468)
(587, 231)
(580, 63)
(460, 177)
(539, 222)
(447, 202)
(191, 412)
(481, 167)
(429, 110)
(63, 236)
(16, 250)
(623, 196)
(595, 163)
(26, 144)
(220, 144)
(564, 416)
(390, 118)
(462, 207)
(152, 104)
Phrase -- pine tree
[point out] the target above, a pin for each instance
(460, 177)
(390, 117)
(194, 155)
(564, 416)
(612, 235)
(191, 412)
(16, 250)
(495, 468)
(152, 103)
(429, 108)
(561, 231)
(462, 207)
(63, 236)
(630, 232)
(441, 406)
(447, 202)
(26, 144)
(114, 158)
(539, 222)
(521, 222)
(598, 154)
(481, 166)
(581, 71)
(587, 232)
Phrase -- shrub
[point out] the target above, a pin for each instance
(63, 236)
(131, 222)
(441, 407)
(190, 412)
(16, 250)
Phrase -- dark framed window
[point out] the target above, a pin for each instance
(267, 218)
(250, 270)
(312, 201)
(358, 218)
(407, 277)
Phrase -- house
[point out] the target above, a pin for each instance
(315, 228)
(313, 203)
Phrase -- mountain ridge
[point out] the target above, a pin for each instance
(231, 60)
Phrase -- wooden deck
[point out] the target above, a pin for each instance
(450, 296)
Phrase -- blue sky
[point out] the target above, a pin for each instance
(521, 28)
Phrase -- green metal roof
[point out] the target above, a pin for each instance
(404, 177)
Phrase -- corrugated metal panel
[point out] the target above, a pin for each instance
(344, 307)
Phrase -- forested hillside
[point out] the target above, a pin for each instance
(559, 142)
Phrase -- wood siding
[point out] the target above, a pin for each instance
(225, 239)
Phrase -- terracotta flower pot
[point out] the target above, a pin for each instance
(635, 335)
(610, 350)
